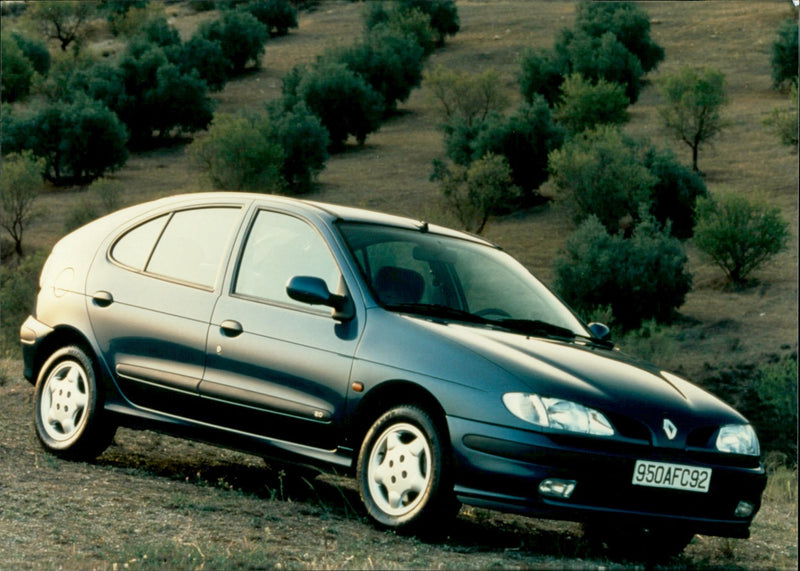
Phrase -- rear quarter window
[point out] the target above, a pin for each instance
(187, 246)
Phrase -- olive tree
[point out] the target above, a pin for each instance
(692, 110)
(65, 21)
(739, 233)
(20, 185)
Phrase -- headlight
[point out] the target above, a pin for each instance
(738, 439)
(558, 414)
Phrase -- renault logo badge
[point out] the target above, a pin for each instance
(670, 429)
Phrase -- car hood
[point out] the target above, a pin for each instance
(596, 376)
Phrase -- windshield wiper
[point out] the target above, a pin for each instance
(441, 311)
(542, 328)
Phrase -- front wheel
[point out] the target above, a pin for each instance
(68, 411)
(403, 471)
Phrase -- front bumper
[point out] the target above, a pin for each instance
(501, 468)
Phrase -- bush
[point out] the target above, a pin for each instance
(277, 15)
(542, 73)
(20, 185)
(19, 285)
(783, 121)
(15, 81)
(524, 138)
(675, 191)
(79, 141)
(34, 50)
(466, 97)
(150, 95)
(203, 57)
(241, 37)
(784, 54)
(740, 234)
(628, 22)
(640, 278)
(767, 395)
(83, 212)
(411, 23)
(599, 173)
(584, 105)
(238, 153)
(603, 57)
(476, 192)
(442, 14)
(389, 61)
(344, 102)
(305, 146)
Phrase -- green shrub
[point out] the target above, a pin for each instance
(279, 16)
(640, 278)
(151, 95)
(675, 191)
(784, 54)
(241, 36)
(83, 212)
(767, 395)
(739, 233)
(466, 97)
(542, 73)
(305, 147)
(476, 192)
(603, 57)
(344, 102)
(239, 154)
(628, 22)
(19, 284)
(390, 62)
(15, 81)
(35, 50)
(203, 57)
(442, 14)
(79, 141)
(20, 185)
(584, 105)
(599, 173)
(783, 121)
(108, 192)
(524, 138)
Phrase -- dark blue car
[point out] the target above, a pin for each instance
(427, 362)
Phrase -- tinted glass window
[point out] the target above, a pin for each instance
(278, 248)
(192, 245)
(134, 248)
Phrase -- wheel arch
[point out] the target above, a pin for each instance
(63, 336)
(390, 394)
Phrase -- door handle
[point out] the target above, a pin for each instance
(231, 328)
(102, 298)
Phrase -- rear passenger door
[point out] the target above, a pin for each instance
(152, 295)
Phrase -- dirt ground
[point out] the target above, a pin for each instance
(156, 502)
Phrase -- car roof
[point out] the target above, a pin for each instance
(330, 212)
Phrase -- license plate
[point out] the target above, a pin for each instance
(672, 476)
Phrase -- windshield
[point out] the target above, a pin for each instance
(430, 274)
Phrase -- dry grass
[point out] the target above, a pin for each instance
(188, 506)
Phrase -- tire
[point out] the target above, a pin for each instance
(650, 544)
(403, 471)
(68, 408)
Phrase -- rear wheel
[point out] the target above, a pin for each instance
(68, 411)
(403, 471)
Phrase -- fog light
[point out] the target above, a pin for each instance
(744, 509)
(556, 488)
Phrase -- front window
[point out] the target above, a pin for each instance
(414, 271)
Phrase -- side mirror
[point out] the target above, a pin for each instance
(314, 291)
(600, 331)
